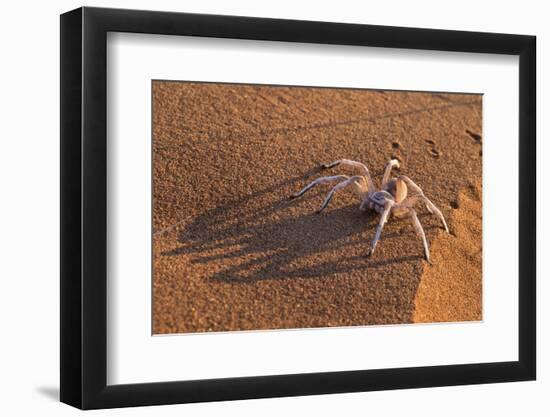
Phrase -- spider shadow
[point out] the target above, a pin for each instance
(266, 236)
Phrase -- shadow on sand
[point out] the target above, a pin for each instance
(266, 236)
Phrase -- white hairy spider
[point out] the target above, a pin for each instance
(391, 198)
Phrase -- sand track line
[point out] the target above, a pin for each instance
(369, 119)
(337, 123)
(171, 227)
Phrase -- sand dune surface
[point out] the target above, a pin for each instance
(232, 252)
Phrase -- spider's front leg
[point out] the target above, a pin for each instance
(383, 219)
(322, 180)
(355, 180)
(353, 164)
(387, 171)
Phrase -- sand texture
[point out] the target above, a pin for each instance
(232, 252)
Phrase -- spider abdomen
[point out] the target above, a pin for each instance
(397, 188)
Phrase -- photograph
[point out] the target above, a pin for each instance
(242, 208)
(304, 207)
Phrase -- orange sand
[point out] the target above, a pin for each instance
(231, 252)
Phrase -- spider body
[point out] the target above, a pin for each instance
(396, 197)
(376, 201)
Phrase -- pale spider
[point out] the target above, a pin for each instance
(391, 198)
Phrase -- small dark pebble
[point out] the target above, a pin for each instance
(434, 152)
(395, 145)
(475, 136)
(454, 204)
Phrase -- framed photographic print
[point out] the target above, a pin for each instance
(258, 207)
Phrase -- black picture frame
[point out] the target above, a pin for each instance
(84, 207)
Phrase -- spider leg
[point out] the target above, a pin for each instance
(420, 232)
(381, 223)
(411, 184)
(343, 184)
(321, 180)
(354, 164)
(434, 210)
(387, 171)
(420, 195)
